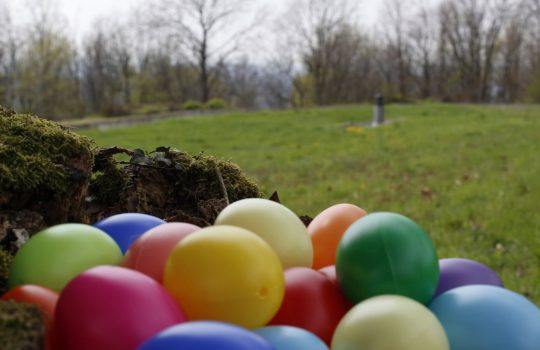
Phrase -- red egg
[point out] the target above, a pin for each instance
(312, 302)
(45, 299)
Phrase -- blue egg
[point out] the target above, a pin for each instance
(202, 335)
(127, 227)
(478, 317)
(291, 338)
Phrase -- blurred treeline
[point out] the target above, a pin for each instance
(169, 53)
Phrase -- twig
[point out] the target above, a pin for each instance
(111, 151)
(222, 186)
(148, 166)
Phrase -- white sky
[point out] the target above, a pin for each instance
(81, 14)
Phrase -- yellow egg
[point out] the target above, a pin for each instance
(226, 273)
(274, 223)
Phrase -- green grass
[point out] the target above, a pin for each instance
(469, 175)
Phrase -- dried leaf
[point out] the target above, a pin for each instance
(275, 197)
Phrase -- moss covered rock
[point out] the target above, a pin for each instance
(50, 175)
(5, 262)
(22, 326)
(16, 227)
(167, 183)
(44, 167)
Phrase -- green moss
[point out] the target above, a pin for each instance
(167, 183)
(5, 262)
(198, 176)
(34, 153)
(201, 178)
(192, 177)
(108, 182)
(22, 326)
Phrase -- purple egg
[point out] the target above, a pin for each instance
(457, 272)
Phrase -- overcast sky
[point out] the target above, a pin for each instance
(81, 14)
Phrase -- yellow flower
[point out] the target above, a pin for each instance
(355, 130)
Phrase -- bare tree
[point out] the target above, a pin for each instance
(159, 79)
(397, 58)
(108, 67)
(5, 31)
(48, 78)
(364, 78)
(531, 51)
(279, 67)
(347, 53)
(422, 33)
(471, 30)
(204, 32)
(277, 79)
(242, 84)
(511, 61)
(314, 28)
(121, 46)
(8, 57)
(100, 75)
(460, 50)
(163, 75)
(532, 9)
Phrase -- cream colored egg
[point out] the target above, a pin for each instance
(390, 322)
(274, 223)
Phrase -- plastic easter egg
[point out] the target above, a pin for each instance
(274, 223)
(390, 322)
(125, 228)
(45, 299)
(311, 302)
(109, 307)
(330, 272)
(203, 335)
(149, 253)
(456, 272)
(387, 253)
(225, 273)
(291, 338)
(327, 228)
(52, 257)
(479, 317)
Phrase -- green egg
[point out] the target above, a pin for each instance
(52, 257)
(387, 253)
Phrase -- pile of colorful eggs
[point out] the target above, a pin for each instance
(258, 279)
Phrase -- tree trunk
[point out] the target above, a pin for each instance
(203, 66)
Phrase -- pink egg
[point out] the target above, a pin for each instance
(330, 272)
(109, 307)
(149, 253)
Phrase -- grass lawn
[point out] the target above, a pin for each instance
(469, 175)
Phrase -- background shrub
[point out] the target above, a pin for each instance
(192, 105)
(215, 103)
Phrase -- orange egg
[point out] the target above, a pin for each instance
(327, 228)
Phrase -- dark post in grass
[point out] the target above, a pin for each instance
(378, 110)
